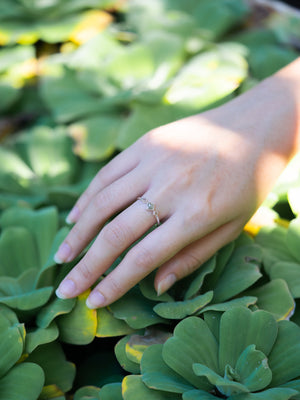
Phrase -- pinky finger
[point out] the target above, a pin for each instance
(193, 256)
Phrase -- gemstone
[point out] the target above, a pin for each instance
(150, 206)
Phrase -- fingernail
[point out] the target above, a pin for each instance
(95, 300)
(66, 289)
(166, 283)
(73, 215)
(62, 253)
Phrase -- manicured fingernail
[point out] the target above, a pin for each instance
(166, 283)
(63, 253)
(95, 300)
(66, 289)
(73, 216)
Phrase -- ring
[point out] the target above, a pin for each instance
(150, 207)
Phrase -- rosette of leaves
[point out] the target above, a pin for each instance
(237, 355)
(18, 379)
(39, 167)
(230, 278)
(26, 21)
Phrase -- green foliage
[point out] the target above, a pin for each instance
(244, 358)
(75, 89)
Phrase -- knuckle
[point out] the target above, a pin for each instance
(115, 288)
(143, 258)
(116, 235)
(190, 263)
(85, 271)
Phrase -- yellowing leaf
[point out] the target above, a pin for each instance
(93, 22)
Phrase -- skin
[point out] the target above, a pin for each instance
(206, 174)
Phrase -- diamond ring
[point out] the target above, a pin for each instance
(151, 208)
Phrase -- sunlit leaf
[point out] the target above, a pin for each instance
(78, 326)
(109, 326)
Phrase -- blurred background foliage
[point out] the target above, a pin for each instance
(79, 82)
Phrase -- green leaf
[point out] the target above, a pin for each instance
(51, 392)
(109, 326)
(95, 136)
(42, 224)
(57, 370)
(223, 256)
(80, 325)
(270, 394)
(290, 272)
(285, 355)
(214, 17)
(244, 301)
(54, 309)
(208, 77)
(157, 375)
(135, 309)
(239, 328)
(147, 288)
(277, 57)
(197, 281)
(121, 355)
(275, 297)
(133, 388)
(226, 386)
(253, 370)
(144, 118)
(8, 95)
(192, 342)
(111, 391)
(273, 242)
(18, 252)
(137, 344)
(181, 309)
(295, 384)
(11, 341)
(198, 395)
(40, 336)
(241, 272)
(292, 238)
(28, 301)
(24, 381)
(66, 97)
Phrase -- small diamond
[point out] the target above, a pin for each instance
(150, 206)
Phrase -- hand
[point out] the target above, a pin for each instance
(203, 174)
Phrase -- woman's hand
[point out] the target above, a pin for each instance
(205, 174)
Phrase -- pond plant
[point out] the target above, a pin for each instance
(79, 82)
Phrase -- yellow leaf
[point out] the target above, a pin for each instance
(93, 22)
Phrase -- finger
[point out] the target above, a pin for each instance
(102, 206)
(119, 166)
(143, 258)
(194, 255)
(113, 239)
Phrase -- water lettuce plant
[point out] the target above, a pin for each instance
(238, 355)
